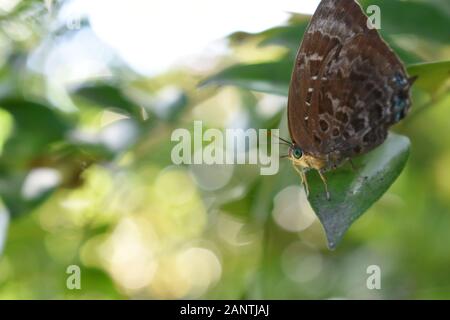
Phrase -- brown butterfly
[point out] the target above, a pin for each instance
(347, 88)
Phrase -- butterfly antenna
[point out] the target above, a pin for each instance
(284, 143)
(281, 139)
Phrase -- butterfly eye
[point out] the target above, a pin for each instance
(297, 153)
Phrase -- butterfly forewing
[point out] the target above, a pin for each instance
(347, 85)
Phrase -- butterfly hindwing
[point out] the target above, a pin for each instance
(370, 92)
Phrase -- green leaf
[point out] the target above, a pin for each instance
(286, 36)
(420, 19)
(354, 191)
(432, 76)
(109, 96)
(406, 56)
(11, 192)
(36, 127)
(271, 77)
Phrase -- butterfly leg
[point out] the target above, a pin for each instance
(322, 176)
(302, 174)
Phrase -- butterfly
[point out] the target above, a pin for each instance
(347, 88)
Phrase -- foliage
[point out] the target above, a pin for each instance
(141, 228)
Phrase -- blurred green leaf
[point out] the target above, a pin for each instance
(406, 56)
(272, 77)
(68, 161)
(12, 194)
(421, 19)
(109, 96)
(40, 138)
(36, 126)
(353, 192)
(432, 76)
(286, 36)
(242, 207)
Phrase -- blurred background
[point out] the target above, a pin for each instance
(90, 92)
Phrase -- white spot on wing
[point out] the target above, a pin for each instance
(315, 57)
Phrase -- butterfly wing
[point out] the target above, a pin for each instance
(367, 92)
(347, 86)
(327, 31)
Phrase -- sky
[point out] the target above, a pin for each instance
(153, 35)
